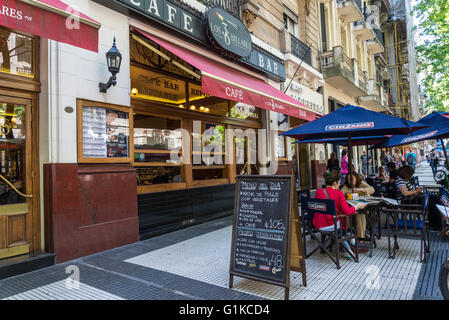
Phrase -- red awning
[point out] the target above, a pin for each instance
(225, 82)
(50, 19)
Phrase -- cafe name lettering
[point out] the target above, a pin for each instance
(238, 38)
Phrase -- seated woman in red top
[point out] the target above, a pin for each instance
(325, 222)
(320, 220)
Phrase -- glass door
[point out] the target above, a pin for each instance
(15, 177)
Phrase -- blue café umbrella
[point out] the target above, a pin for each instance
(437, 127)
(350, 122)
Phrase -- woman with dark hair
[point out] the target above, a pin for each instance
(344, 165)
(362, 188)
(404, 187)
(332, 163)
(393, 173)
(332, 191)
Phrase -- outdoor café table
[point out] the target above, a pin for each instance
(372, 214)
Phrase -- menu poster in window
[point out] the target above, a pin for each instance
(94, 132)
(105, 133)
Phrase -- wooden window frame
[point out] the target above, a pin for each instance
(18, 82)
(80, 104)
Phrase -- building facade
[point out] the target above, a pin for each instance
(200, 95)
(190, 105)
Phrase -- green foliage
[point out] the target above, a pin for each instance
(433, 55)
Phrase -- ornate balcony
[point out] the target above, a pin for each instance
(343, 72)
(376, 45)
(363, 30)
(377, 98)
(350, 10)
(234, 7)
(300, 49)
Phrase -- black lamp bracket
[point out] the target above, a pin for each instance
(105, 86)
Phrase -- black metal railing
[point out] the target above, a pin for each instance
(301, 50)
(234, 7)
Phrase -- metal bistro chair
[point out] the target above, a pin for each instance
(300, 194)
(409, 220)
(328, 238)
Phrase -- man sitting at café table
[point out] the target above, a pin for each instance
(362, 188)
(403, 185)
(332, 191)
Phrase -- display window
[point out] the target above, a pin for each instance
(169, 106)
(103, 133)
(17, 54)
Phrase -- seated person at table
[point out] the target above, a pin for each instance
(325, 222)
(382, 175)
(404, 187)
(393, 173)
(362, 188)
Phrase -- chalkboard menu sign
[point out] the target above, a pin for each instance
(261, 231)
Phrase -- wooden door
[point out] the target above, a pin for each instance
(16, 177)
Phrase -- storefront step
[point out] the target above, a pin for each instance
(14, 266)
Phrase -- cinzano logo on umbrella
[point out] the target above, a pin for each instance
(349, 126)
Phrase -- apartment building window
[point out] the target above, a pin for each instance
(291, 25)
(323, 27)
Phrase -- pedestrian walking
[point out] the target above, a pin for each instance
(433, 156)
(411, 159)
(332, 163)
(365, 159)
(397, 159)
(344, 165)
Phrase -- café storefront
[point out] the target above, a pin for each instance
(200, 82)
(23, 28)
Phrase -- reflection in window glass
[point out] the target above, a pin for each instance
(280, 147)
(244, 111)
(154, 133)
(12, 151)
(16, 54)
(158, 175)
(157, 87)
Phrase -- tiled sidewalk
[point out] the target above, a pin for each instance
(193, 264)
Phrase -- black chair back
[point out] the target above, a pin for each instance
(370, 181)
(322, 206)
(302, 193)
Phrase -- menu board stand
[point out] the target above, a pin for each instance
(266, 234)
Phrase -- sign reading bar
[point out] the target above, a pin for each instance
(228, 34)
(265, 219)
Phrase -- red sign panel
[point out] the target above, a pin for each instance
(50, 19)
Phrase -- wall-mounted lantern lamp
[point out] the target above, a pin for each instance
(114, 60)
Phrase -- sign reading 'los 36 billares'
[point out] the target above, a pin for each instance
(228, 34)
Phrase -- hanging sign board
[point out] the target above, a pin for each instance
(228, 34)
(266, 218)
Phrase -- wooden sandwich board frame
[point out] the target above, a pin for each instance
(293, 249)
